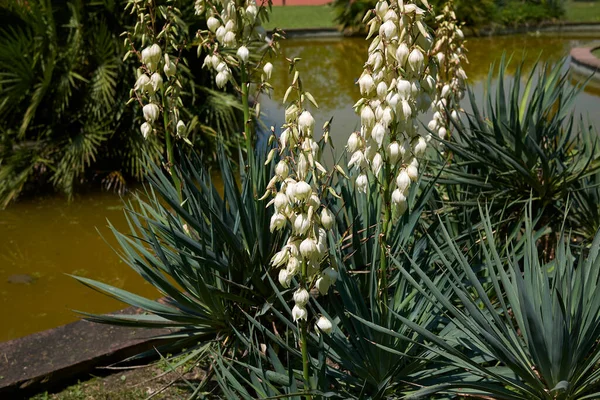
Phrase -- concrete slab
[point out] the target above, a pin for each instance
(58, 356)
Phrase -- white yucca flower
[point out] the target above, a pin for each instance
(451, 77)
(396, 85)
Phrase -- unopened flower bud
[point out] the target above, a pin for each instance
(282, 169)
(181, 128)
(381, 8)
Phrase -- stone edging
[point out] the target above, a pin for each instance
(51, 359)
(583, 58)
(542, 28)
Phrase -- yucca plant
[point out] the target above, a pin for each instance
(525, 143)
(534, 335)
(206, 256)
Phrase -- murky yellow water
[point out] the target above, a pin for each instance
(47, 238)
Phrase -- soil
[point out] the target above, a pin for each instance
(155, 381)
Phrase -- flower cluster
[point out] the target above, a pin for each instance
(296, 188)
(234, 26)
(396, 86)
(451, 78)
(157, 86)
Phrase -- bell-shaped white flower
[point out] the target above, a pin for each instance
(413, 172)
(302, 190)
(378, 134)
(222, 78)
(243, 54)
(323, 284)
(277, 222)
(356, 159)
(327, 218)
(293, 266)
(331, 274)
(268, 70)
(213, 24)
(362, 183)
(151, 56)
(388, 30)
(156, 81)
(420, 147)
(285, 278)
(367, 117)
(306, 122)
(151, 112)
(324, 325)
(301, 297)
(142, 82)
(299, 313)
(366, 84)
(308, 249)
(282, 170)
(352, 142)
(301, 224)
(381, 8)
(229, 39)
(251, 12)
(442, 133)
(403, 181)
(280, 201)
(146, 129)
(376, 164)
(393, 152)
(402, 54)
(404, 89)
(416, 60)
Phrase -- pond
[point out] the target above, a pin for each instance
(44, 239)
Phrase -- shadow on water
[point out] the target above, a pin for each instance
(43, 239)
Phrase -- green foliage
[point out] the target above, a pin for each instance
(63, 112)
(534, 326)
(525, 144)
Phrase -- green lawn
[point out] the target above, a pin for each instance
(596, 53)
(300, 17)
(583, 11)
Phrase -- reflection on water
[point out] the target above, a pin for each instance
(44, 239)
(330, 67)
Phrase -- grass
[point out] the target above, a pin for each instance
(583, 11)
(301, 17)
(596, 52)
(155, 380)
